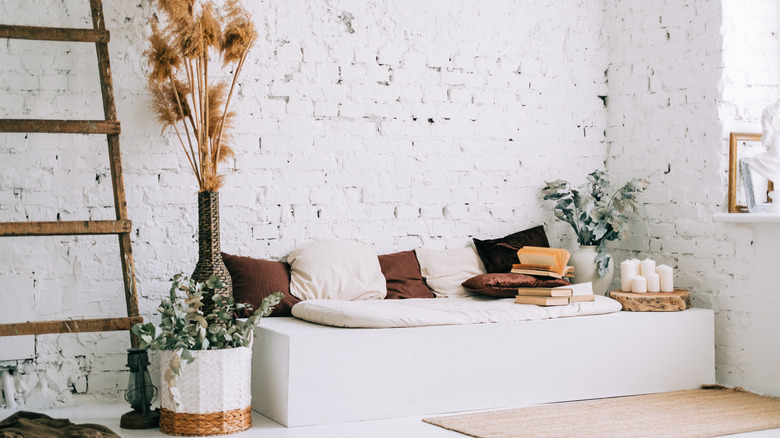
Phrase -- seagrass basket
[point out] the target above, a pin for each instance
(214, 394)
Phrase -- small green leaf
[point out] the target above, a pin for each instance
(214, 283)
(187, 356)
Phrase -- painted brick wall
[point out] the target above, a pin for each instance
(682, 75)
(403, 124)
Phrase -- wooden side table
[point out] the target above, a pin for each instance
(680, 299)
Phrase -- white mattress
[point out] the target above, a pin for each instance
(419, 312)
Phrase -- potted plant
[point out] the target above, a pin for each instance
(598, 213)
(193, 47)
(205, 358)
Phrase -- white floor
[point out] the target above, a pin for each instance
(411, 427)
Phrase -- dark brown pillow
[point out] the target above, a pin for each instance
(402, 272)
(504, 285)
(255, 279)
(499, 255)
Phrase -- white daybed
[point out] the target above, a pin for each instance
(305, 373)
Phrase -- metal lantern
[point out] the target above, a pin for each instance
(140, 393)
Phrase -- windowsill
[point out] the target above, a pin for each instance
(747, 217)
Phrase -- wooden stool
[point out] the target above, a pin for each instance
(680, 299)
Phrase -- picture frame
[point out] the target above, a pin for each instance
(746, 188)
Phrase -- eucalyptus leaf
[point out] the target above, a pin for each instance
(595, 211)
(185, 327)
(602, 260)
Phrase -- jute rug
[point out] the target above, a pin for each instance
(685, 414)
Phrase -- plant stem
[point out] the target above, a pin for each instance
(230, 94)
(574, 224)
(190, 158)
(206, 109)
(194, 119)
(612, 198)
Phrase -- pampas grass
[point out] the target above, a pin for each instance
(187, 35)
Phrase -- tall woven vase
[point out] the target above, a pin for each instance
(214, 393)
(209, 252)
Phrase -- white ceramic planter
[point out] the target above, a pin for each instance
(585, 269)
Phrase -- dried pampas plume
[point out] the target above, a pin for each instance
(188, 37)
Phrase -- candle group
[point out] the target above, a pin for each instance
(645, 276)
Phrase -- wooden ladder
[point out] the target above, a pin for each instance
(110, 127)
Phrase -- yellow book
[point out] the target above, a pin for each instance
(555, 258)
(544, 271)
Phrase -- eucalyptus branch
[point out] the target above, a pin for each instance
(612, 198)
(576, 217)
(185, 327)
(592, 213)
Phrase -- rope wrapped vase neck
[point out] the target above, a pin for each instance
(209, 253)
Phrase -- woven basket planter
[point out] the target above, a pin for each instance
(209, 254)
(214, 393)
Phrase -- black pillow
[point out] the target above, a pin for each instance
(499, 255)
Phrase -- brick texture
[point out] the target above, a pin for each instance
(409, 124)
(402, 124)
(682, 75)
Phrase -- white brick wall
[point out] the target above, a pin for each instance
(681, 77)
(408, 124)
(431, 123)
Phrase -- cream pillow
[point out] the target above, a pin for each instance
(445, 270)
(336, 269)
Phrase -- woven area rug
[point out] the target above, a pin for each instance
(685, 414)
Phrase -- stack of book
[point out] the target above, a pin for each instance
(555, 296)
(545, 262)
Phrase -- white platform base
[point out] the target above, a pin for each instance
(305, 374)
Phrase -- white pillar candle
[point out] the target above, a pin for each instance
(639, 284)
(653, 282)
(628, 270)
(666, 274)
(636, 263)
(647, 267)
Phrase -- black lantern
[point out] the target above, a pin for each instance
(140, 393)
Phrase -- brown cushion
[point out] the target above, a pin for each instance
(255, 279)
(504, 285)
(402, 272)
(499, 255)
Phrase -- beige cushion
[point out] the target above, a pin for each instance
(336, 269)
(445, 270)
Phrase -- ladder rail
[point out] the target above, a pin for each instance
(49, 126)
(64, 228)
(117, 181)
(69, 326)
(64, 34)
(110, 127)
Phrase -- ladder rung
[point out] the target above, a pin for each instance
(54, 34)
(63, 228)
(70, 326)
(60, 126)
